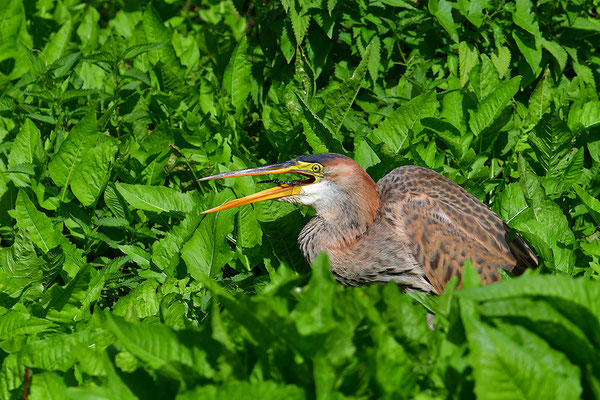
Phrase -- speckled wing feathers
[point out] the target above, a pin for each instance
(444, 225)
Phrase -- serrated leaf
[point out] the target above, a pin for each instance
(300, 21)
(394, 131)
(585, 73)
(157, 198)
(449, 135)
(339, 100)
(166, 251)
(64, 66)
(15, 323)
(236, 78)
(468, 57)
(138, 49)
(319, 135)
(162, 348)
(36, 223)
(551, 140)
(490, 108)
(57, 352)
(501, 60)
(45, 385)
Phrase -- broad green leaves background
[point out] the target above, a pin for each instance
(114, 285)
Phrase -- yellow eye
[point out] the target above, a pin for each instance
(317, 168)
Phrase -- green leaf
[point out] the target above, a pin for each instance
(56, 46)
(157, 198)
(26, 149)
(207, 251)
(15, 37)
(584, 115)
(339, 101)
(374, 62)
(525, 18)
(318, 134)
(142, 302)
(473, 10)
(490, 108)
(27, 146)
(551, 141)
(501, 60)
(545, 213)
(263, 390)
(530, 43)
(484, 78)
(46, 385)
(161, 348)
(91, 177)
(592, 204)
(15, 323)
(394, 131)
(448, 134)
(166, 251)
(36, 223)
(557, 52)
(300, 21)
(468, 57)
(442, 11)
(81, 139)
(138, 49)
(58, 352)
(496, 354)
(314, 312)
(286, 42)
(541, 99)
(236, 79)
(156, 32)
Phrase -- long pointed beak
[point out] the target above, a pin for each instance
(268, 194)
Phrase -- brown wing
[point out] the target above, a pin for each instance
(445, 225)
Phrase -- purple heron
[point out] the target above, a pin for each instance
(414, 227)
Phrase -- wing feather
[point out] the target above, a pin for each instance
(445, 225)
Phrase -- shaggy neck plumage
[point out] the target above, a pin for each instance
(340, 223)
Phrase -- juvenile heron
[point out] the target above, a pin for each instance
(414, 227)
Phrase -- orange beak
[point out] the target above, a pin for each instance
(285, 190)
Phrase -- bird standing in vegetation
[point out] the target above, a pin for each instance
(414, 227)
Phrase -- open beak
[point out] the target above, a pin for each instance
(288, 188)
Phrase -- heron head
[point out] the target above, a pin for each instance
(327, 180)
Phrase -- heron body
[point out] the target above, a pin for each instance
(414, 227)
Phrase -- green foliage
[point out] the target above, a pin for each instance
(114, 285)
